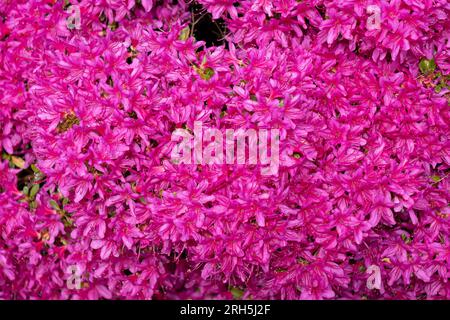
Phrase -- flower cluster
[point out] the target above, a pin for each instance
(92, 207)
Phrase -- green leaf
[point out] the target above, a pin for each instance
(204, 73)
(34, 168)
(67, 222)
(405, 238)
(207, 73)
(237, 293)
(184, 34)
(427, 66)
(437, 75)
(25, 190)
(18, 162)
(34, 190)
(33, 205)
(114, 26)
(436, 178)
(54, 205)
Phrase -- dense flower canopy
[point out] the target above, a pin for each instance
(91, 91)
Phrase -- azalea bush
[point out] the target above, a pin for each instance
(93, 207)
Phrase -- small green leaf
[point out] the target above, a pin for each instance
(33, 205)
(34, 168)
(204, 73)
(184, 34)
(436, 178)
(71, 119)
(18, 162)
(427, 66)
(302, 261)
(34, 190)
(405, 238)
(142, 200)
(237, 293)
(114, 26)
(25, 190)
(437, 75)
(54, 205)
(207, 73)
(67, 222)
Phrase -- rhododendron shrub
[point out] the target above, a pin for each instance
(93, 207)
